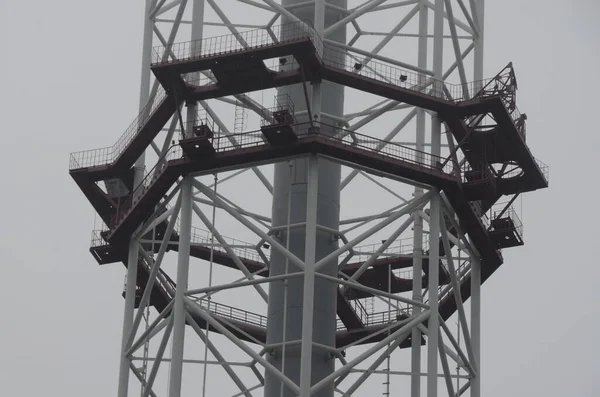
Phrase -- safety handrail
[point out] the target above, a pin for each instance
(224, 143)
(108, 155)
(231, 43)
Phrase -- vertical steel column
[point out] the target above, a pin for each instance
(476, 264)
(476, 324)
(132, 258)
(478, 48)
(319, 25)
(433, 323)
(415, 384)
(179, 311)
(183, 256)
(312, 196)
(434, 232)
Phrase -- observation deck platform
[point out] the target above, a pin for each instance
(228, 65)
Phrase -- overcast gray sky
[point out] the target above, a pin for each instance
(70, 80)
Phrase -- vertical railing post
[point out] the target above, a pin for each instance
(132, 259)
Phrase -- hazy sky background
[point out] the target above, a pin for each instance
(70, 80)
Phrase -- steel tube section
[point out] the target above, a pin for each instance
(433, 323)
(240, 284)
(193, 307)
(158, 220)
(227, 22)
(274, 243)
(139, 376)
(154, 272)
(470, 21)
(447, 209)
(478, 12)
(156, 7)
(282, 10)
(390, 35)
(179, 311)
(476, 325)
(395, 336)
(130, 287)
(138, 176)
(459, 351)
(352, 17)
(232, 139)
(357, 285)
(376, 363)
(444, 361)
(415, 384)
(374, 334)
(166, 8)
(381, 249)
(415, 203)
(309, 275)
(159, 354)
(456, 289)
(458, 23)
(395, 5)
(456, 47)
(257, 217)
(366, 219)
(230, 252)
(156, 324)
(381, 185)
(434, 226)
(381, 145)
(221, 360)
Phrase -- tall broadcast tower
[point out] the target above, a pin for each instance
(305, 204)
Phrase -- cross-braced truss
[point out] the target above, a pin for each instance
(417, 235)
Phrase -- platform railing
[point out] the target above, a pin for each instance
(233, 313)
(400, 247)
(343, 59)
(232, 43)
(242, 249)
(108, 155)
(164, 281)
(499, 210)
(543, 168)
(374, 145)
(385, 72)
(175, 152)
(97, 240)
(224, 143)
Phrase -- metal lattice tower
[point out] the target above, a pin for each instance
(305, 204)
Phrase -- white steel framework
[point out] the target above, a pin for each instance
(170, 353)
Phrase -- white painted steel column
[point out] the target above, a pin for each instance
(476, 264)
(138, 176)
(319, 26)
(478, 49)
(179, 311)
(433, 323)
(415, 384)
(476, 324)
(197, 34)
(434, 232)
(309, 276)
